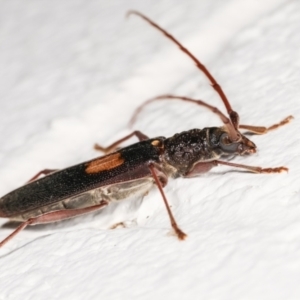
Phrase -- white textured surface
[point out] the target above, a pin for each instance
(71, 74)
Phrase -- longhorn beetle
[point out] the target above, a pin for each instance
(133, 170)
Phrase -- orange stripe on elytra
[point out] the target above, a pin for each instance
(104, 163)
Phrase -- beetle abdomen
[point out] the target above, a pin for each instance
(115, 192)
(127, 164)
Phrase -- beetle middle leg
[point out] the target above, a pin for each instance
(54, 217)
(43, 172)
(141, 136)
(180, 234)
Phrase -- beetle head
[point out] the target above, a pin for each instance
(241, 146)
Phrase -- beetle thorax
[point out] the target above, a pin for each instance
(184, 149)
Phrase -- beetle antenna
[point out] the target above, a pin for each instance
(234, 117)
(213, 109)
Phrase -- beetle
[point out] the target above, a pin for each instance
(133, 170)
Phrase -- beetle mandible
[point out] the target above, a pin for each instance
(133, 170)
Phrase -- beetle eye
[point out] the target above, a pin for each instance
(227, 145)
(225, 139)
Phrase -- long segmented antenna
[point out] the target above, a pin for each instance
(234, 117)
(215, 110)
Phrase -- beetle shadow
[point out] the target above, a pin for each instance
(24, 245)
(249, 133)
(218, 173)
(45, 230)
(68, 223)
(233, 171)
(38, 227)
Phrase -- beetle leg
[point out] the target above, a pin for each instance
(204, 167)
(262, 129)
(15, 232)
(113, 146)
(252, 168)
(54, 217)
(43, 172)
(180, 234)
(200, 168)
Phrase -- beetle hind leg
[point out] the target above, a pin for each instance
(54, 217)
(15, 232)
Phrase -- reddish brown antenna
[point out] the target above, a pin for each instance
(234, 117)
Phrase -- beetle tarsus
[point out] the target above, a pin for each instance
(180, 234)
(274, 170)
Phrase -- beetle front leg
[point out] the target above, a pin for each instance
(204, 167)
(200, 168)
(180, 234)
(53, 217)
(253, 169)
(113, 146)
(264, 130)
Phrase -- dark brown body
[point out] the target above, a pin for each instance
(86, 184)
